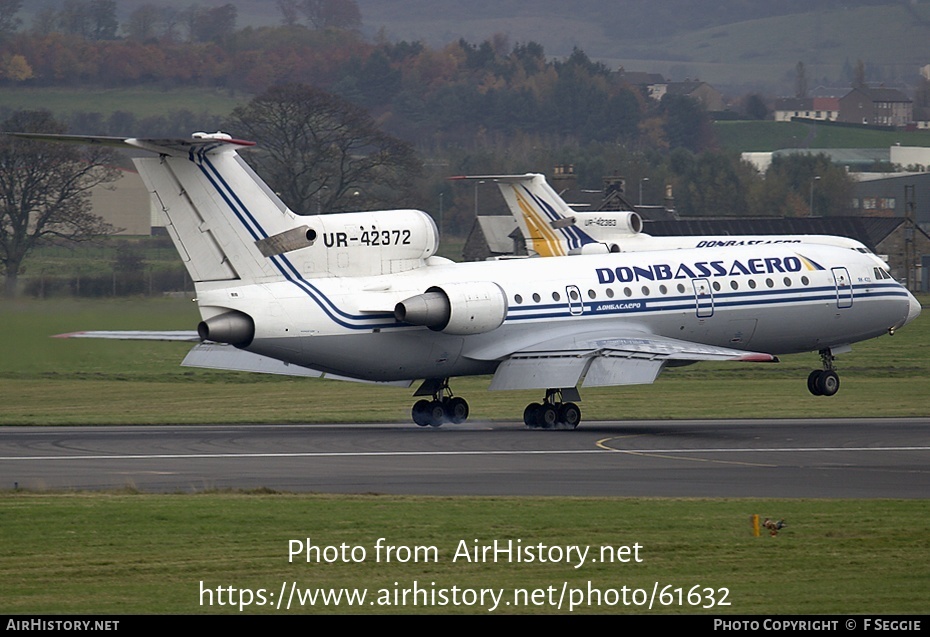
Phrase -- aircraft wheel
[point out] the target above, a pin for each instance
(421, 413)
(437, 413)
(813, 382)
(531, 415)
(457, 410)
(829, 383)
(548, 416)
(570, 415)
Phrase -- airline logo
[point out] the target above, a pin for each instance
(705, 269)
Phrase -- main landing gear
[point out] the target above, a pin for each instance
(553, 412)
(441, 408)
(824, 382)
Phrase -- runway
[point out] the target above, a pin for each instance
(835, 458)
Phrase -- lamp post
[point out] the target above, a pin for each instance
(813, 181)
(641, 189)
(476, 197)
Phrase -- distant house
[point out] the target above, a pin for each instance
(707, 95)
(655, 86)
(651, 84)
(818, 108)
(876, 107)
(641, 78)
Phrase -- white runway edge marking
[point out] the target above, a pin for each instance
(382, 454)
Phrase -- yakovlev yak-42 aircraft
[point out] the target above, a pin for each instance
(551, 227)
(362, 296)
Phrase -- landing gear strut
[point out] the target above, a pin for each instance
(824, 382)
(441, 408)
(553, 412)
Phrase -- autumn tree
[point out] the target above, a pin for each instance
(45, 191)
(321, 153)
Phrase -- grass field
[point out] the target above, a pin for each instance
(131, 553)
(136, 554)
(141, 101)
(743, 136)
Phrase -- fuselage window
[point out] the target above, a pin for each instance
(627, 292)
(716, 286)
(752, 284)
(663, 289)
(518, 298)
(536, 297)
(610, 293)
(787, 282)
(681, 288)
(770, 283)
(805, 280)
(574, 295)
(645, 290)
(734, 285)
(555, 296)
(591, 294)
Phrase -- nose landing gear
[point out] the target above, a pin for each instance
(824, 382)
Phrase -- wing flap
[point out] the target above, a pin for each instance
(611, 370)
(600, 360)
(541, 370)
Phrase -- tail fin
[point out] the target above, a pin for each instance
(215, 209)
(546, 221)
(551, 227)
(228, 226)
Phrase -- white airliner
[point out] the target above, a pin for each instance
(362, 296)
(552, 228)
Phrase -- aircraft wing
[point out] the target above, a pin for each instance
(222, 356)
(210, 355)
(165, 146)
(136, 335)
(598, 360)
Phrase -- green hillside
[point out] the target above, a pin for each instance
(751, 52)
(768, 136)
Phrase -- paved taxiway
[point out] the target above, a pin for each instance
(837, 458)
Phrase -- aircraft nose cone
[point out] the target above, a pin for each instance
(913, 310)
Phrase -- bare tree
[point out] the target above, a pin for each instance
(143, 21)
(859, 78)
(45, 191)
(321, 153)
(8, 20)
(800, 81)
(339, 14)
(288, 9)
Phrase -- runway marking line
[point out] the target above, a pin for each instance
(602, 448)
(603, 444)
